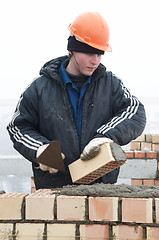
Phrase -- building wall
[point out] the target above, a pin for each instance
(46, 214)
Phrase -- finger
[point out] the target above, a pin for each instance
(52, 170)
(44, 168)
(63, 156)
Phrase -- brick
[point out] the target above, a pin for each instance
(61, 231)
(146, 146)
(157, 209)
(31, 231)
(95, 231)
(103, 208)
(140, 138)
(155, 147)
(129, 154)
(137, 210)
(136, 182)
(6, 231)
(71, 207)
(103, 163)
(157, 183)
(139, 154)
(33, 189)
(135, 146)
(40, 205)
(125, 232)
(155, 138)
(151, 154)
(11, 205)
(148, 138)
(153, 233)
(149, 182)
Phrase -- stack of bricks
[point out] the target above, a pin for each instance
(48, 215)
(146, 142)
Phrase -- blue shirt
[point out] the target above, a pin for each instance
(76, 98)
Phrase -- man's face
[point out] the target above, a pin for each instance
(84, 63)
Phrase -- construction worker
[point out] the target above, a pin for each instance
(78, 103)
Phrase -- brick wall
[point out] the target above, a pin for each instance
(142, 165)
(46, 214)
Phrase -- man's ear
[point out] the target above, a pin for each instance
(70, 53)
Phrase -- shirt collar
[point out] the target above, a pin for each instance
(65, 78)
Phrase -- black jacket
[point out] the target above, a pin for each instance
(43, 114)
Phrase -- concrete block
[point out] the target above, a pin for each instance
(89, 170)
(139, 168)
(11, 205)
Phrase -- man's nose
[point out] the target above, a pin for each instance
(94, 58)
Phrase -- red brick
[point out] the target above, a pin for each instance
(155, 138)
(129, 154)
(127, 232)
(137, 210)
(146, 146)
(148, 182)
(157, 183)
(71, 207)
(135, 146)
(136, 182)
(139, 154)
(151, 154)
(95, 231)
(103, 209)
(153, 233)
(155, 147)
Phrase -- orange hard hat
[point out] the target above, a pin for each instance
(92, 29)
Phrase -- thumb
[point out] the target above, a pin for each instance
(91, 154)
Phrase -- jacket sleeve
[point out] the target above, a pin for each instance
(129, 118)
(24, 126)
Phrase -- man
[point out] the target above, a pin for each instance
(78, 103)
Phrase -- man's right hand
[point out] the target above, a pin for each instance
(42, 166)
